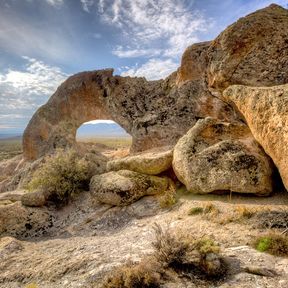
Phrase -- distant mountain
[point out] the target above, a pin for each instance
(101, 130)
(9, 136)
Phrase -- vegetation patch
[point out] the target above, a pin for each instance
(169, 197)
(272, 219)
(146, 274)
(273, 243)
(175, 253)
(61, 176)
(10, 148)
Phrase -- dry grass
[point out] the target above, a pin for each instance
(207, 209)
(10, 148)
(273, 243)
(169, 197)
(142, 275)
(111, 142)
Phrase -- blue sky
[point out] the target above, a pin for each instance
(42, 42)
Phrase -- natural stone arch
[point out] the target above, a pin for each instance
(154, 113)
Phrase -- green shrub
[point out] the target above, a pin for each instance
(61, 176)
(273, 243)
(195, 211)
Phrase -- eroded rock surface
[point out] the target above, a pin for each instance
(155, 113)
(148, 162)
(266, 113)
(216, 155)
(253, 51)
(20, 221)
(125, 187)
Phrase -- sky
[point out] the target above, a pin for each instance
(42, 42)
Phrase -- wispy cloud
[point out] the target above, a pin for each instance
(87, 4)
(154, 28)
(23, 91)
(55, 3)
(153, 69)
(124, 52)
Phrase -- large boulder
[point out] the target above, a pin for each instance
(216, 155)
(149, 162)
(266, 112)
(253, 51)
(125, 187)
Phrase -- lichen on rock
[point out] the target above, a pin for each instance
(216, 155)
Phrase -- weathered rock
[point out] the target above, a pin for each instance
(33, 199)
(125, 187)
(215, 155)
(150, 162)
(253, 51)
(193, 63)
(146, 110)
(266, 113)
(12, 195)
(9, 245)
(21, 221)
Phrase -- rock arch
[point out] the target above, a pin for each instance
(154, 113)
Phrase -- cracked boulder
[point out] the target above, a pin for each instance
(219, 156)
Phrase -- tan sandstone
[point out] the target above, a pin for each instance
(266, 113)
(217, 156)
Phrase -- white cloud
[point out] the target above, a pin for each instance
(154, 69)
(87, 4)
(55, 3)
(126, 53)
(23, 91)
(168, 26)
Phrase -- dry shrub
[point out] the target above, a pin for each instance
(273, 243)
(174, 252)
(146, 274)
(168, 198)
(182, 252)
(170, 249)
(245, 212)
(61, 175)
(272, 219)
(239, 214)
(205, 208)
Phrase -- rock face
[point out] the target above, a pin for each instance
(151, 162)
(253, 51)
(193, 63)
(155, 113)
(216, 155)
(125, 187)
(266, 113)
(21, 221)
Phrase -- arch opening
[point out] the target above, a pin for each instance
(104, 136)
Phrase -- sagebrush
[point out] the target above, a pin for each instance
(62, 175)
